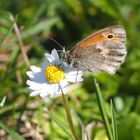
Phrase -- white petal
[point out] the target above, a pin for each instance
(53, 58)
(35, 69)
(80, 72)
(75, 72)
(63, 83)
(34, 93)
(63, 87)
(54, 90)
(71, 79)
(48, 90)
(43, 93)
(79, 79)
(55, 54)
(65, 91)
(35, 86)
(30, 74)
(49, 57)
(74, 78)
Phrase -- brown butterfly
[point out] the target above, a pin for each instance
(103, 50)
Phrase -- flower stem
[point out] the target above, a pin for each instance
(102, 110)
(66, 105)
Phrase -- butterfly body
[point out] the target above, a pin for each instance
(103, 50)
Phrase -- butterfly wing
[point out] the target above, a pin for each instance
(102, 51)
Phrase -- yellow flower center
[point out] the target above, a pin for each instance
(54, 74)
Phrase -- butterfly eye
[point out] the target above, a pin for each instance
(110, 36)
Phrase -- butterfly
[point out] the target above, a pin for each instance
(103, 50)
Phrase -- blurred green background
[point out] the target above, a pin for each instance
(66, 21)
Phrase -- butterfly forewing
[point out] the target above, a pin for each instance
(104, 50)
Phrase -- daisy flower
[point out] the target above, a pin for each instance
(53, 76)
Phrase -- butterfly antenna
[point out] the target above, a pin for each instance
(57, 43)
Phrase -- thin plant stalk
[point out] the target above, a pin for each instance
(103, 111)
(66, 105)
(21, 45)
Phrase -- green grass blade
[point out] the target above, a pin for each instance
(102, 110)
(10, 131)
(83, 130)
(114, 125)
(44, 25)
(9, 32)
